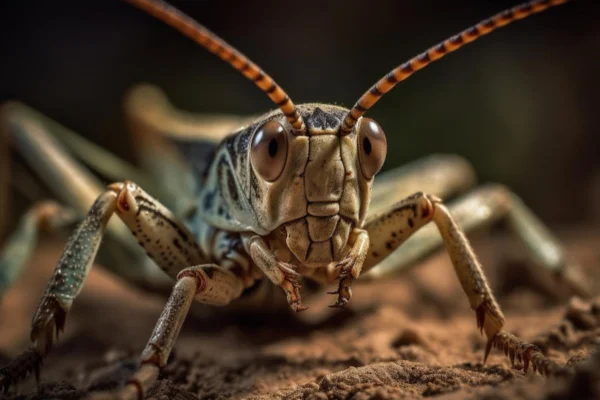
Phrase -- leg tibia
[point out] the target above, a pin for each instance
(156, 353)
(70, 272)
(390, 230)
(415, 212)
(470, 275)
(63, 287)
(170, 321)
(207, 283)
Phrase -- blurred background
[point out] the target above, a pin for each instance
(521, 104)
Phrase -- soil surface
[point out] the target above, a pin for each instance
(410, 336)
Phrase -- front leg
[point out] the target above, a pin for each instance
(207, 284)
(406, 217)
(166, 240)
(350, 266)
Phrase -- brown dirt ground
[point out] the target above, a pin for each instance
(410, 336)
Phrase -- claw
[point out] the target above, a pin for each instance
(345, 280)
(298, 306)
(291, 287)
(527, 353)
(344, 293)
(341, 303)
(488, 348)
(511, 354)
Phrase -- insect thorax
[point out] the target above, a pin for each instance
(311, 207)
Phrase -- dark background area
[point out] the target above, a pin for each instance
(521, 104)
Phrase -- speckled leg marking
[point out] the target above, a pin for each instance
(209, 284)
(481, 208)
(46, 216)
(165, 239)
(393, 228)
(63, 287)
(390, 230)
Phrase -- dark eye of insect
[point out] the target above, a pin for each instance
(374, 147)
(367, 146)
(273, 147)
(269, 150)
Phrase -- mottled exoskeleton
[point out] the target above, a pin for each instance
(287, 195)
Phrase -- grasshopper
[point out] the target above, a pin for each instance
(287, 196)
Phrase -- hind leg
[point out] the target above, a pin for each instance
(34, 137)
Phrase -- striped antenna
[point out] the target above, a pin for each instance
(192, 29)
(436, 52)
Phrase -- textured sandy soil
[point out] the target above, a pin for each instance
(411, 336)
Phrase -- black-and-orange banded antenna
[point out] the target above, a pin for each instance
(403, 71)
(207, 39)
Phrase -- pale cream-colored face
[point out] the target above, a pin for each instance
(337, 197)
(315, 187)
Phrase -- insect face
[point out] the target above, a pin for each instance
(331, 176)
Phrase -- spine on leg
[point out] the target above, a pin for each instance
(70, 272)
(65, 284)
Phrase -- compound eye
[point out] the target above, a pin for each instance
(269, 150)
(372, 147)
